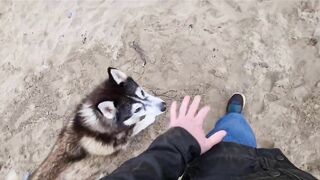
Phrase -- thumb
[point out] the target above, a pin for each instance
(214, 139)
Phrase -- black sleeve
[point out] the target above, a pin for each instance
(166, 158)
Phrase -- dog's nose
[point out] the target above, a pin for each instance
(163, 106)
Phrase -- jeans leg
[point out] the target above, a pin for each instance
(238, 130)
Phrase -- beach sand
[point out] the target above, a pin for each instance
(52, 53)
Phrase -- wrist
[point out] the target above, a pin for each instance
(185, 142)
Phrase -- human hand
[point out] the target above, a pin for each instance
(192, 121)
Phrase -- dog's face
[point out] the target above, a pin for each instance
(127, 102)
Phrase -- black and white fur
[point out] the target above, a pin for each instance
(104, 122)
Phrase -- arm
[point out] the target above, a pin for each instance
(168, 155)
(166, 158)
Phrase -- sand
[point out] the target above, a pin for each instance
(52, 53)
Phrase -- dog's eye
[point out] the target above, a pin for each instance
(137, 110)
(142, 93)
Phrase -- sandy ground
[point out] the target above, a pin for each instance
(53, 53)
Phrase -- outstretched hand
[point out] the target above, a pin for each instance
(192, 121)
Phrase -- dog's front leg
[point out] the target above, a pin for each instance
(141, 125)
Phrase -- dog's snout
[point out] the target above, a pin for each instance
(163, 106)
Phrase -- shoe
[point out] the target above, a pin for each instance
(236, 103)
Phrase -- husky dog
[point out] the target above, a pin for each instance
(103, 123)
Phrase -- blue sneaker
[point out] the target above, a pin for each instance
(236, 103)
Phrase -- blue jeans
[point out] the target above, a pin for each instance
(238, 130)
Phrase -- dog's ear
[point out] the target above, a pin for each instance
(108, 109)
(117, 75)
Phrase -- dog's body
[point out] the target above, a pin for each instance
(103, 124)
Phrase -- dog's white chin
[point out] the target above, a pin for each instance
(144, 123)
(131, 121)
(134, 120)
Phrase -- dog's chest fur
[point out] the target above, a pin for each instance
(98, 147)
(104, 143)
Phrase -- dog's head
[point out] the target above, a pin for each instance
(120, 100)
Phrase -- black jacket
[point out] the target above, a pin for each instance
(177, 153)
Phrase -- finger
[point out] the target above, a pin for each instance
(194, 106)
(173, 111)
(184, 106)
(214, 139)
(202, 114)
